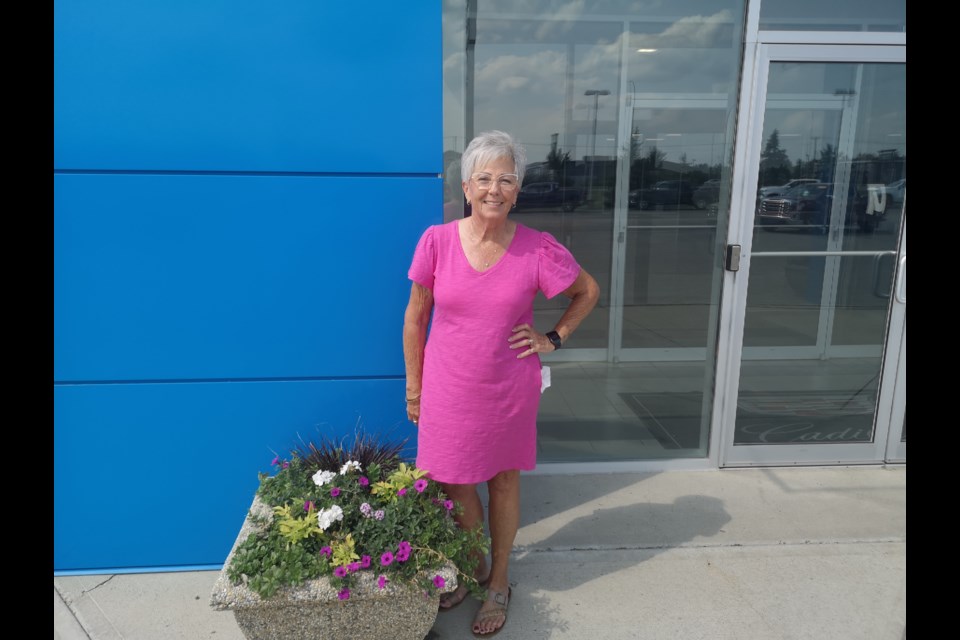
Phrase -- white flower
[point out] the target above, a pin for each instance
(351, 465)
(327, 517)
(321, 478)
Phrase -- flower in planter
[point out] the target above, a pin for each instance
(344, 512)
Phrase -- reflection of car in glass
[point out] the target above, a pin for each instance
(775, 190)
(809, 205)
(548, 194)
(665, 192)
(706, 194)
(896, 189)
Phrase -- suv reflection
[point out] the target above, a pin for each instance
(808, 207)
(671, 193)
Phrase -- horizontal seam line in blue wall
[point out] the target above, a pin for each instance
(295, 174)
(219, 380)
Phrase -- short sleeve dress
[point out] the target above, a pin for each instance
(478, 404)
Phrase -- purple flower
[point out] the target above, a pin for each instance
(448, 505)
(344, 594)
(340, 571)
(402, 492)
(403, 551)
(378, 514)
(334, 492)
(382, 581)
(285, 464)
(420, 485)
(439, 582)
(276, 460)
(353, 567)
(386, 559)
(364, 481)
(365, 562)
(404, 546)
(366, 509)
(307, 505)
(326, 551)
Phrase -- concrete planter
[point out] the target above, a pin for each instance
(312, 611)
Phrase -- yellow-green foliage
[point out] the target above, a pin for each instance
(344, 552)
(296, 529)
(402, 478)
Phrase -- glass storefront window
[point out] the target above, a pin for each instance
(627, 109)
(830, 15)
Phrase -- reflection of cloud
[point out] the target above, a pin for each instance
(542, 71)
(698, 31)
(563, 22)
(512, 82)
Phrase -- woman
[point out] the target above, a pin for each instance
(473, 388)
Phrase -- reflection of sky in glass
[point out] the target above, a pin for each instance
(834, 15)
(879, 94)
(531, 75)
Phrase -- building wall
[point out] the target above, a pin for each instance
(238, 189)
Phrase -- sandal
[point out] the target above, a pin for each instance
(456, 597)
(502, 601)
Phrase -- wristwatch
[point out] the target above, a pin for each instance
(555, 339)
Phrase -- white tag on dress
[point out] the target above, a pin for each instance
(544, 378)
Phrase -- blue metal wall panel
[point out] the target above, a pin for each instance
(161, 475)
(173, 277)
(243, 85)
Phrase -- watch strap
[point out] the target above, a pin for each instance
(555, 339)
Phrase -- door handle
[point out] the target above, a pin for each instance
(732, 262)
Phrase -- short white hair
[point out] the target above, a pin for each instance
(487, 147)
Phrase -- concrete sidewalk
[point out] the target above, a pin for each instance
(746, 554)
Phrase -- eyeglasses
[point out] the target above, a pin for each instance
(506, 181)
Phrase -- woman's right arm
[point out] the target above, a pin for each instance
(415, 322)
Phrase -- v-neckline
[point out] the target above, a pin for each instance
(500, 258)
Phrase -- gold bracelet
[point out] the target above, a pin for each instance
(416, 397)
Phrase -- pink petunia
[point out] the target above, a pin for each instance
(420, 485)
(439, 582)
(353, 567)
(340, 571)
(326, 551)
(364, 481)
(382, 581)
(402, 492)
(386, 559)
(276, 460)
(365, 562)
(285, 464)
(334, 492)
(448, 505)
(344, 594)
(307, 505)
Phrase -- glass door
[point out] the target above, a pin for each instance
(818, 320)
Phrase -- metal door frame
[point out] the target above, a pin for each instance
(757, 59)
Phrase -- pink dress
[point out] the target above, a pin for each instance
(478, 408)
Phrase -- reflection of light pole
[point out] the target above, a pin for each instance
(596, 93)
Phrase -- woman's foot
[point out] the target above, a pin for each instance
(452, 599)
(492, 614)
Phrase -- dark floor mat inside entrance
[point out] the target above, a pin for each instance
(674, 419)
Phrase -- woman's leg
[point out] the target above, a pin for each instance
(504, 490)
(466, 495)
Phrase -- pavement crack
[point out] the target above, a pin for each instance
(96, 586)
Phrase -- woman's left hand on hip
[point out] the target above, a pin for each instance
(529, 340)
